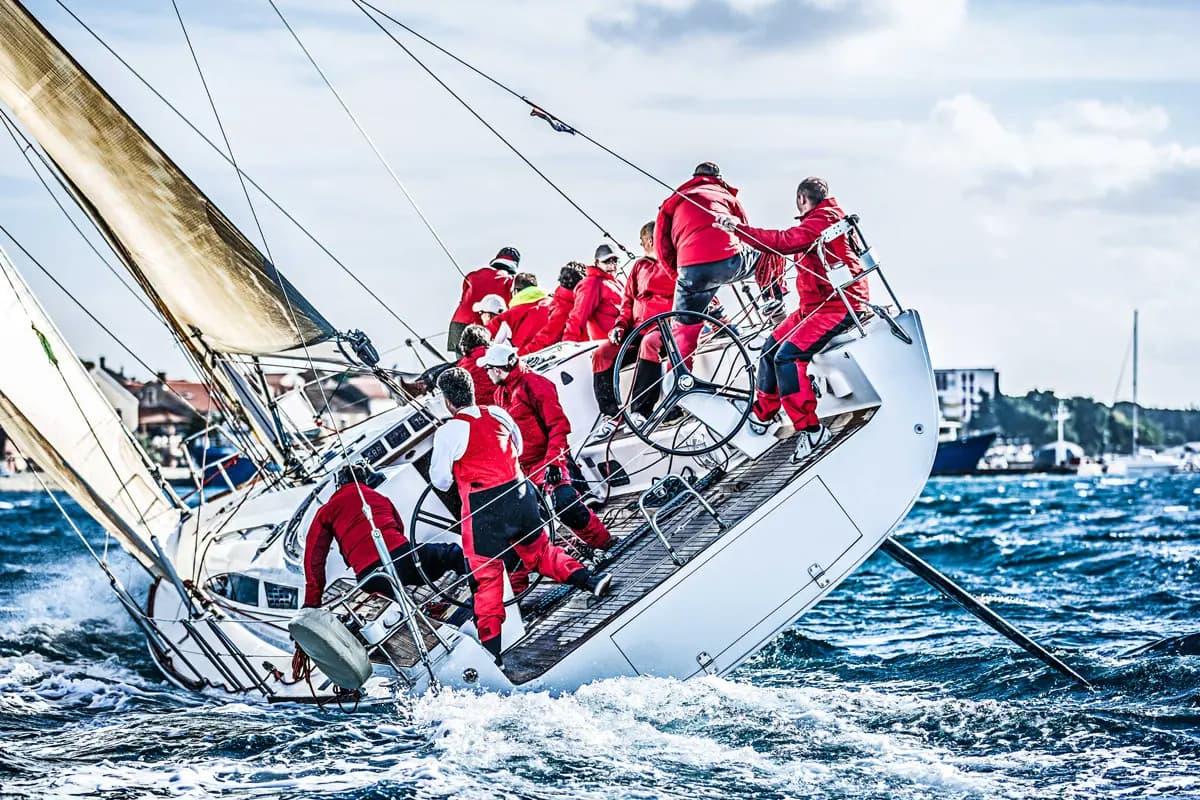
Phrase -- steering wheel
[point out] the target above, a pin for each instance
(721, 366)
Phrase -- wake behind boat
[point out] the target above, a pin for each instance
(725, 537)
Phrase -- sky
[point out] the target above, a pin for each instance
(1028, 172)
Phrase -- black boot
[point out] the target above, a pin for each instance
(647, 386)
(606, 398)
(597, 584)
(493, 646)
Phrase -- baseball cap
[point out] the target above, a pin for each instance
(490, 304)
(498, 355)
(604, 253)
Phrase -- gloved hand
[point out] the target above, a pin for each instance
(554, 475)
(616, 335)
(726, 221)
(300, 664)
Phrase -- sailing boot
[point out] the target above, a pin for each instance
(809, 440)
(492, 645)
(598, 583)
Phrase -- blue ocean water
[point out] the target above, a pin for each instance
(885, 691)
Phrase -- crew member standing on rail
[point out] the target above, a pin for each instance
(496, 278)
(475, 342)
(649, 289)
(343, 520)
(783, 367)
(479, 450)
(702, 256)
(532, 402)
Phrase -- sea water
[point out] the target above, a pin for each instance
(886, 690)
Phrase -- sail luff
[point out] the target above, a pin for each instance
(180, 247)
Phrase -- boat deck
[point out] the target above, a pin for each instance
(559, 619)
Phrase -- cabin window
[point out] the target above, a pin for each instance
(279, 596)
(238, 588)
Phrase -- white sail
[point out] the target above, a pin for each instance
(209, 280)
(54, 412)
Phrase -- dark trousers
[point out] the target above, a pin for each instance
(437, 558)
(453, 337)
(695, 289)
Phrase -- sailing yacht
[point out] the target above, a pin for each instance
(725, 539)
(1141, 460)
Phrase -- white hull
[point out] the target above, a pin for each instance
(725, 603)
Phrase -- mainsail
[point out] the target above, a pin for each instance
(209, 280)
(54, 412)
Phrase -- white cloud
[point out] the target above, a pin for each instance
(1080, 152)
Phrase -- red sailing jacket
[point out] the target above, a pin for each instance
(527, 322)
(595, 309)
(478, 285)
(342, 519)
(559, 307)
(532, 401)
(490, 458)
(685, 235)
(484, 388)
(814, 289)
(649, 291)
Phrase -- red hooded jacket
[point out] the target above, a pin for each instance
(342, 519)
(649, 291)
(532, 401)
(814, 288)
(685, 235)
(478, 285)
(595, 309)
(484, 388)
(526, 321)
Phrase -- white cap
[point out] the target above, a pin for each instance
(498, 355)
(491, 304)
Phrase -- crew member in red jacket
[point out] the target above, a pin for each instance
(783, 367)
(475, 342)
(479, 450)
(702, 255)
(649, 291)
(596, 300)
(496, 278)
(558, 307)
(342, 520)
(526, 315)
(532, 401)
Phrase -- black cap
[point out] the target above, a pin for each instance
(707, 168)
(604, 253)
(508, 258)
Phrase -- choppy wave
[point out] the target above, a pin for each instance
(884, 691)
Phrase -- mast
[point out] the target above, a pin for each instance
(1135, 379)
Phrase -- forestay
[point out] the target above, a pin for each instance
(187, 256)
(55, 413)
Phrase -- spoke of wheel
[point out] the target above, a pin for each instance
(661, 413)
(674, 357)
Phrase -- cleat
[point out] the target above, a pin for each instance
(809, 442)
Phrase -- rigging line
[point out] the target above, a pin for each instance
(14, 132)
(603, 232)
(269, 197)
(378, 154)
(258, 224)
(550, 118)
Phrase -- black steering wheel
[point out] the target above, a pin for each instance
(721, 366)
(420, 516)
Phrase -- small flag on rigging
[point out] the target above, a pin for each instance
(554, 121)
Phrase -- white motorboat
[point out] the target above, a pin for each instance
(725, 540)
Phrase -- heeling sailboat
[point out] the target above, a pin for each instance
(726, 540)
